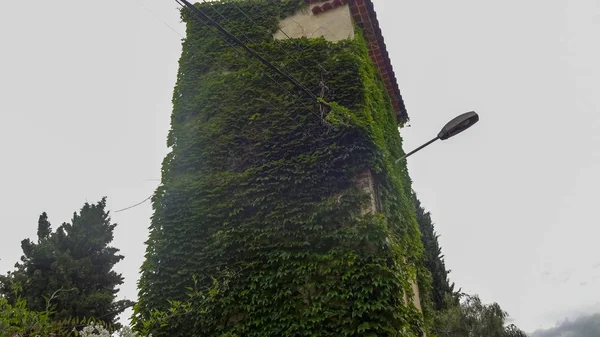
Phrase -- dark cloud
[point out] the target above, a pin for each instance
(586, 326)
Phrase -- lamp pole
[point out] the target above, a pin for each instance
(451, 129)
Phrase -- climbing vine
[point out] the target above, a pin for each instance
(259, 193)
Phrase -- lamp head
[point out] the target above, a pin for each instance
(458, 125)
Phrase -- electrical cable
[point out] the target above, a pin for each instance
(250, 60)
(237, 41)
(299, 125)
(218, 61)
(283, 32)
(157, 17)
(248, 39)
(294, 100)
(136, 205)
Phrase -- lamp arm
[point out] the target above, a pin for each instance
(416, 150)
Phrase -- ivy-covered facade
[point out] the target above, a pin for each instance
(287, 214)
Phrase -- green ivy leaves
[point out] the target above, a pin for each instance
(260, 195)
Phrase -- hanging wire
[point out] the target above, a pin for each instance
(322, 83)
(215, 60)
(257, 45)
(157, 17)
(201, 16)
(256, 94)
(250, 40)
(306, 70)
(262, 12)
(254, 63)
(288, 92)
(136, 205)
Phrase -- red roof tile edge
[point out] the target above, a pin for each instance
(327, 6)
(364, 14)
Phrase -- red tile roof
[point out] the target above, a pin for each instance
(326, 6)
(364, 15)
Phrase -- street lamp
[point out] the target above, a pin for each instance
(451, 129)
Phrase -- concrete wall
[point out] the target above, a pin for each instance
(366, 182)
(334, 25)
(417, 297)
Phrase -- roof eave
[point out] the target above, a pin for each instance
(379, 53)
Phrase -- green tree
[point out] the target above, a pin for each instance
(452, 318)
(71, 268)
(434, 260)
(473, 318)
(44, 227)
(513, 331)
(18, 320)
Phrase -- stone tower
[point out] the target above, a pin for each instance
(282, 214)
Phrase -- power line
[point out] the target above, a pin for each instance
(306, 133)
(158, 18)
(136, 205)
(268, 75)
(283, 32)
(248, 39)
(248, 49)
(321, 84)
(250, 61)
(218, 61)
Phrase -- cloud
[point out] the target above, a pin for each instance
(558, 277)
(585, 326)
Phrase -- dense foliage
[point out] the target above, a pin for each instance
(262, 226)
(474, 319)
(69, 270)
(259, 208)
(455, 314)
(442, 290)
(18, 321)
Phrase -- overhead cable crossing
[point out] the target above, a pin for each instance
(247, 57)
(284, 33)
(237, 41)
(250, 40)
(218, 61)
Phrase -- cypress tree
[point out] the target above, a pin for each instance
(44, 228)
(442, 289)
(451, 317)
(71, 269)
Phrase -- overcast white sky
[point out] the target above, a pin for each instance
(85, 103)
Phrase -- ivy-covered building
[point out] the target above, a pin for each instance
(280, 214)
